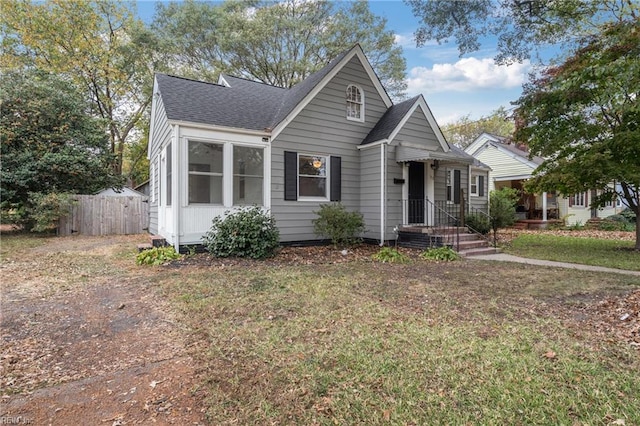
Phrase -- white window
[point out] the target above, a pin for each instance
(578, 200)
(355, 103)
(153, 175)
(312, 176)
(453, 186)
(205, 173)
(248, 170)
(474, 185)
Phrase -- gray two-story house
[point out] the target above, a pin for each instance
(336, 136)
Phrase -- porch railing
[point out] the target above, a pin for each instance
(445, 217)
(490, 237)
(425, 212)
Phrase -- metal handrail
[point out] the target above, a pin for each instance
(490, 237)
(424, 212)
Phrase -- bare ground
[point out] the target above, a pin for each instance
(87, 340)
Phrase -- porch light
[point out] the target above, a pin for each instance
(317, 163)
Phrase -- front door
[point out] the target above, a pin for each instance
(416, 203)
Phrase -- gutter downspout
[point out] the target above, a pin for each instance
(176, 202)
(383, 186)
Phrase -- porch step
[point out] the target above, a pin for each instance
(158, 241)
(472, 244)
(144, 246)
(593, 223)
(478, 251)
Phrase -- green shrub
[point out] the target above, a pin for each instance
(390, 255)
(578, 226)
(616, 222)
(479, 222)
(157, 256)
(339, 225)
(629, 215)
(47, 209)
(247, 232)
(446, 254)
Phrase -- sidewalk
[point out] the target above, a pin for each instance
(503, 257)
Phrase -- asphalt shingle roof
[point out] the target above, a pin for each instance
(389, 121)
(245, 104)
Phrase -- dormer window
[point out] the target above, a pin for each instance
(355, 103)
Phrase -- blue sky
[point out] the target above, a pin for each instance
(453, 86)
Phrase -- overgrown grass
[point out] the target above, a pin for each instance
(371, 343)
(587, 251)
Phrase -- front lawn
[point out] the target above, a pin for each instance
(419, 343)
(565, 248)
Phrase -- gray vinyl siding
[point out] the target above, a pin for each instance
(160, 137)
(322, 128)
(370, 190)
(418, 131)
(394, 194)
(440, 180)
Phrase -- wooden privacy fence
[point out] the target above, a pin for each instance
(106, 215)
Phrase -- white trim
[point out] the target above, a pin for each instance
(360, 92)
(383, 186)
(152, 116)
(223, 129)
(222, 81)
(373, 144)
(355, 52)
(477, 144)
(327, 178)
(426, 112)
(175, 187)
(405, 193)
(514, 177)
(473, 180)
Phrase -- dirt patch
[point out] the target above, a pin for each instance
(87, 339)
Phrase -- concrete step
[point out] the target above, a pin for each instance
(158, 241)
(479, 251)
(468, 245)
(144, 246)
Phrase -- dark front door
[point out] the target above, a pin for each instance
(416, 202)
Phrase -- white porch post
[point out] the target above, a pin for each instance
(544, 206)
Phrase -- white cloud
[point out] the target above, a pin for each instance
(405, 41)
(466, 75)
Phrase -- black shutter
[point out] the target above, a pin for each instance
(290, 176)
(456, 187)
(481, 186)
(336, 179)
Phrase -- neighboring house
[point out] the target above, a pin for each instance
(336, 136)
(511, 166)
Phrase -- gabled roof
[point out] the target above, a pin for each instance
(389, 121)
(196, 101)
(503, 144)
(396, 117)
(475, 162)
(249, 104)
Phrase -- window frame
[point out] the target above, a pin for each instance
(244, 176)
(359, 103)
(583, 199)
(326, 177)
(474, 182)
(204, 173)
